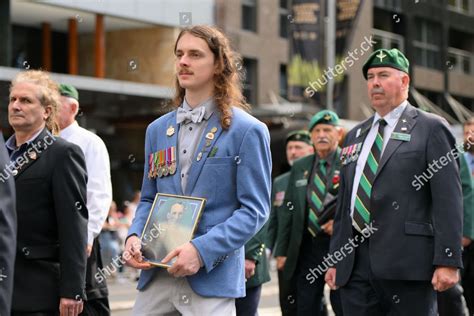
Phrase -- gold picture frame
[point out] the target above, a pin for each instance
(172, 221)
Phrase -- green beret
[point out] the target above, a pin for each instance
(386, 58)
(68, 91)
(300, 136)
(323, 117)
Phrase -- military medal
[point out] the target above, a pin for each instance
(279, 198)
(150, 166)
(170, 131)
(155, 164)
(343, 155)
(163, 162)
(173, 160)
(160, 164)
(166, 169)
(357, 151)
(350, 153)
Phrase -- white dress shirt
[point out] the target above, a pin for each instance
(99, 185)
(392, 119)
(189, 137)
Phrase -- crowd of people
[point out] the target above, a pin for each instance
(348, 214)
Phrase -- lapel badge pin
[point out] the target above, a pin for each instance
(32, 155)
(214, 129)
(210, 136)
(170, 131)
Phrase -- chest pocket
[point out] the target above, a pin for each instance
(215, 169)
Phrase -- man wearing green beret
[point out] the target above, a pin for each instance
(99, 195)
(298, 144)
(398, 224)
(304, 237)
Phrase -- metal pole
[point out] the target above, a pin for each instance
(330, 50)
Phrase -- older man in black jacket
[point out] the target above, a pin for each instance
(50, 177)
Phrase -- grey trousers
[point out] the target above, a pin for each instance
(170, 296)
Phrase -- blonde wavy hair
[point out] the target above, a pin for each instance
(227, 80)
(48, 94)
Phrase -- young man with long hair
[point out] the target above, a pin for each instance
(209, 147)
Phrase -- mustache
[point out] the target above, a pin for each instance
(184, 70)
(322, 140)
(376, 90)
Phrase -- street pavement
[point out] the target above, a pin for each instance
(122, 295)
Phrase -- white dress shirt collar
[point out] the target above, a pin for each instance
(392, 117)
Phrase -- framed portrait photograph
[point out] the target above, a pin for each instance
(171, 222)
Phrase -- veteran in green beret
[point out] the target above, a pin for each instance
(398, 225)
(298, 144)
(304, 237)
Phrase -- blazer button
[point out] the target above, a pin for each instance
(25, 251)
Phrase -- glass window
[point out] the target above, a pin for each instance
(249, 15)
(283, 82)
(250, 81)
(284, 18)
(389, 4)
(462, 6)
(387, 40)
(427, 43)
(460, 60)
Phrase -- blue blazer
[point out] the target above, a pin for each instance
(236, 183)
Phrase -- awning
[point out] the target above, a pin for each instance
(462, 113)
(426, 105)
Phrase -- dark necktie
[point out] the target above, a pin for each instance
(361, 216)
(316, 196)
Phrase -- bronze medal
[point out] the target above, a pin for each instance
(160, 164)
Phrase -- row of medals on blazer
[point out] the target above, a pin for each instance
(163, 162)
